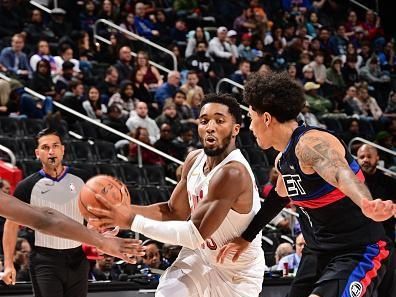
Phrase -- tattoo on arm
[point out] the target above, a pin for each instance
(331, 165)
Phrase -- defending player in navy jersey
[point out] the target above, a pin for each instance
(346, 252)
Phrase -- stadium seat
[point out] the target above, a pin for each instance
(156, 194)
(11, 127)
(13, 145)
(29, 167)
(138, 195)
(81, 151)
(246, 138)
(28, 145)
(110, 169)
(154, 174)
(90, 168)
(257, 156)
(105, 151)
(132, 174)
(32, 126)
(261, 174)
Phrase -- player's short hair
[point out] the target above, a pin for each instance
(275, 93)
(48, 131)
(225, 99)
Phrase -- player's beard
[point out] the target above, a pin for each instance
(220, 149)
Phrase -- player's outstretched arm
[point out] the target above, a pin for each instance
(324, 153)
(49, 221)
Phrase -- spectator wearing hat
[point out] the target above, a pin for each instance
(245, 50)
(63, 81)
(170, 116)
(58, 25)
(220, 50)
(14, 60)
(318, 104)
(92, 254)
(232, 40)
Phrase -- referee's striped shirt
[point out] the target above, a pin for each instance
(61, 194)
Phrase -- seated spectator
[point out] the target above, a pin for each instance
(318, 104)
(162, 24)
(284, 249)
(88, 17)
(14, 60)
(58, 24)
(192, 83)
(179, 32)
(142, 93)
(64, 80)
(367, 104)
(352, 131)
(372, 73)
(308, 74)
(182, 108)
(335, 84)
(73, 99)
(66, 54)
(309, 118)
(194, 99)
(240, 76)
(170, 116)
(245, 50)
(165, 141)
(339, 41)
(144, 26)
(151, 75)
(128, 23)
(391, 107)
(203, 65)
(42, 81)
(5, 90)
(153, 258)
(43, 53)
(21, 260)
(245, 22)
(351, 105)
(93, 107)
(168, 89)
(142, 120)
(115, 120)
(106, 269)
(293, 260)
(148, 157)
(319, 68)
(198, 36)
(185, 142)
(349, 71)
(124, 64)
(109, 85)
(124, 99)
(36, 29)
(108, 11)
(272, 178)
(220, 50)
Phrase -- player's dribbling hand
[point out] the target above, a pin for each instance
(378, 210)
(9, 275)
(237, 246)
(111, 215)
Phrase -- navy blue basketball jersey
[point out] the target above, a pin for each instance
(329, 220)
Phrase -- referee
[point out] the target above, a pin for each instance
(58, 267)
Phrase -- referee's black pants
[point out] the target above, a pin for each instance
(60, 273)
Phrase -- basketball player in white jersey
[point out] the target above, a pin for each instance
(214, 202)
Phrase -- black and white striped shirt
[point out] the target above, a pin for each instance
(61, 194)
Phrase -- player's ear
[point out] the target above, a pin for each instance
(236, 129)
(267, 119)
(37, 154)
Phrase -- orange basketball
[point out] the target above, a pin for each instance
(108, 187)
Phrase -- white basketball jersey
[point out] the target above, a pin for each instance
(234, 223)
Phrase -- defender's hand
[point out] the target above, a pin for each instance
(9, 275)
(378, 210)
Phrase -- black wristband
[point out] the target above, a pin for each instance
(271, 206)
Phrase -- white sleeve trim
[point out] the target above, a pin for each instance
(182, 233)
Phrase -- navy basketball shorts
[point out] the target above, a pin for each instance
(355, 273)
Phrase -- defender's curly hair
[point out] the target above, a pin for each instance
(228, 100)
(275, 93)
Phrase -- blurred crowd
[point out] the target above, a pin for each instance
(339, 53)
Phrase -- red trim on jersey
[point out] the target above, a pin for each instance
(327, 199)
(372, 273)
